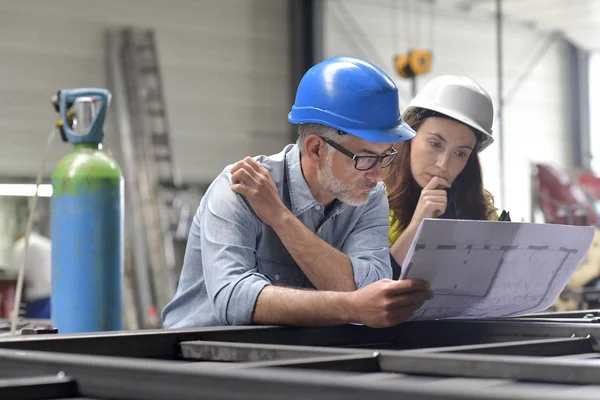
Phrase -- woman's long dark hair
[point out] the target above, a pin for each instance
(471, 200)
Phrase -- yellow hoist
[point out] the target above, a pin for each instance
(415, 62)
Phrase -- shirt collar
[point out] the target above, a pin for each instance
(300, 194)
(301, 197)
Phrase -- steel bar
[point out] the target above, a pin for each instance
(551, 370)
(563, 320)
(350, 363)
(454, 332)
(580, 356)
(563, 314)
(540, 348)
(246, 352)
(38, 387)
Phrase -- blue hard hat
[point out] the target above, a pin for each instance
(353, 96)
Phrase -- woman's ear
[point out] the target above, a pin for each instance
(314, 148)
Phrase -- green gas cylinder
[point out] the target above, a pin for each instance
(87, 221)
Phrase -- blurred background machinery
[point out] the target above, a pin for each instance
(559, 197)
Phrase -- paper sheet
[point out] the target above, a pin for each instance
(484, 269)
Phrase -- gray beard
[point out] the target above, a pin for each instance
(335, 187)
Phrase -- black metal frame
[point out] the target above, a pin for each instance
(302, 35)
(539, 356)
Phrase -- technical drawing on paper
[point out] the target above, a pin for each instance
(481, 269)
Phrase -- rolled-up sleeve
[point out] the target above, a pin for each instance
(367, 246)
(219, 282)
(228, 235)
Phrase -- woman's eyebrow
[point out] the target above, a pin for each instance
(444, 140)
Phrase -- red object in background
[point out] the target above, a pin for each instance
(590, 183)
(7, 296)
(561, 200)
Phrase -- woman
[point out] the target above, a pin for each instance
(437, 174)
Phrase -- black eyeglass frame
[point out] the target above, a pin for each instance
(385, 160)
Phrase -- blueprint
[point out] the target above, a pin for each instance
(485, 269)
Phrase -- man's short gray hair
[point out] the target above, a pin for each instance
(324, 131)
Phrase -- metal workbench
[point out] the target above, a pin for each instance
(545, 356)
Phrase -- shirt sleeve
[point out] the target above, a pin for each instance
(367, 246)
(226, 231)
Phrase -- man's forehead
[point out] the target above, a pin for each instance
(361, 144)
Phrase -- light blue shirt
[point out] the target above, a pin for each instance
(231, 255)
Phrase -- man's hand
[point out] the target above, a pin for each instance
(433, 201)
(254, 181)
(387, 302)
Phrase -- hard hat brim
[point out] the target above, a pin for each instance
(399, 133)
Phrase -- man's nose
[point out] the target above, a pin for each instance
(375, 173)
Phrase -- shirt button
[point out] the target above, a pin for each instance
(318, 207)
(276, 277)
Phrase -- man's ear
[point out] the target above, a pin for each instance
(314, 148)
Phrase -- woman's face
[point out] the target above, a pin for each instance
(441, 148)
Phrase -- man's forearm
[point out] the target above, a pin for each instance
(285, 306)
(326, 267)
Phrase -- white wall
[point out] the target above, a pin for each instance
(536, 120)
(225, 70)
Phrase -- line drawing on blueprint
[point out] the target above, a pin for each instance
(479, 270)
(464, 280)
(501, 294)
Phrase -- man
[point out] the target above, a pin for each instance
(300, 237)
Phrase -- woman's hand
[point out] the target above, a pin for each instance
(433, 201)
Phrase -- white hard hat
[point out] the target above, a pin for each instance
(460, 98)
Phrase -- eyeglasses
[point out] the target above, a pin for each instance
(364, 163)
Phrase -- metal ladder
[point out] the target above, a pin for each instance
(150, 178)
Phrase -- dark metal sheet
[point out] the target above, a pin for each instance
(164, 344)
(431, 359)
(109, 377)
(455, 332)
(39, 387)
